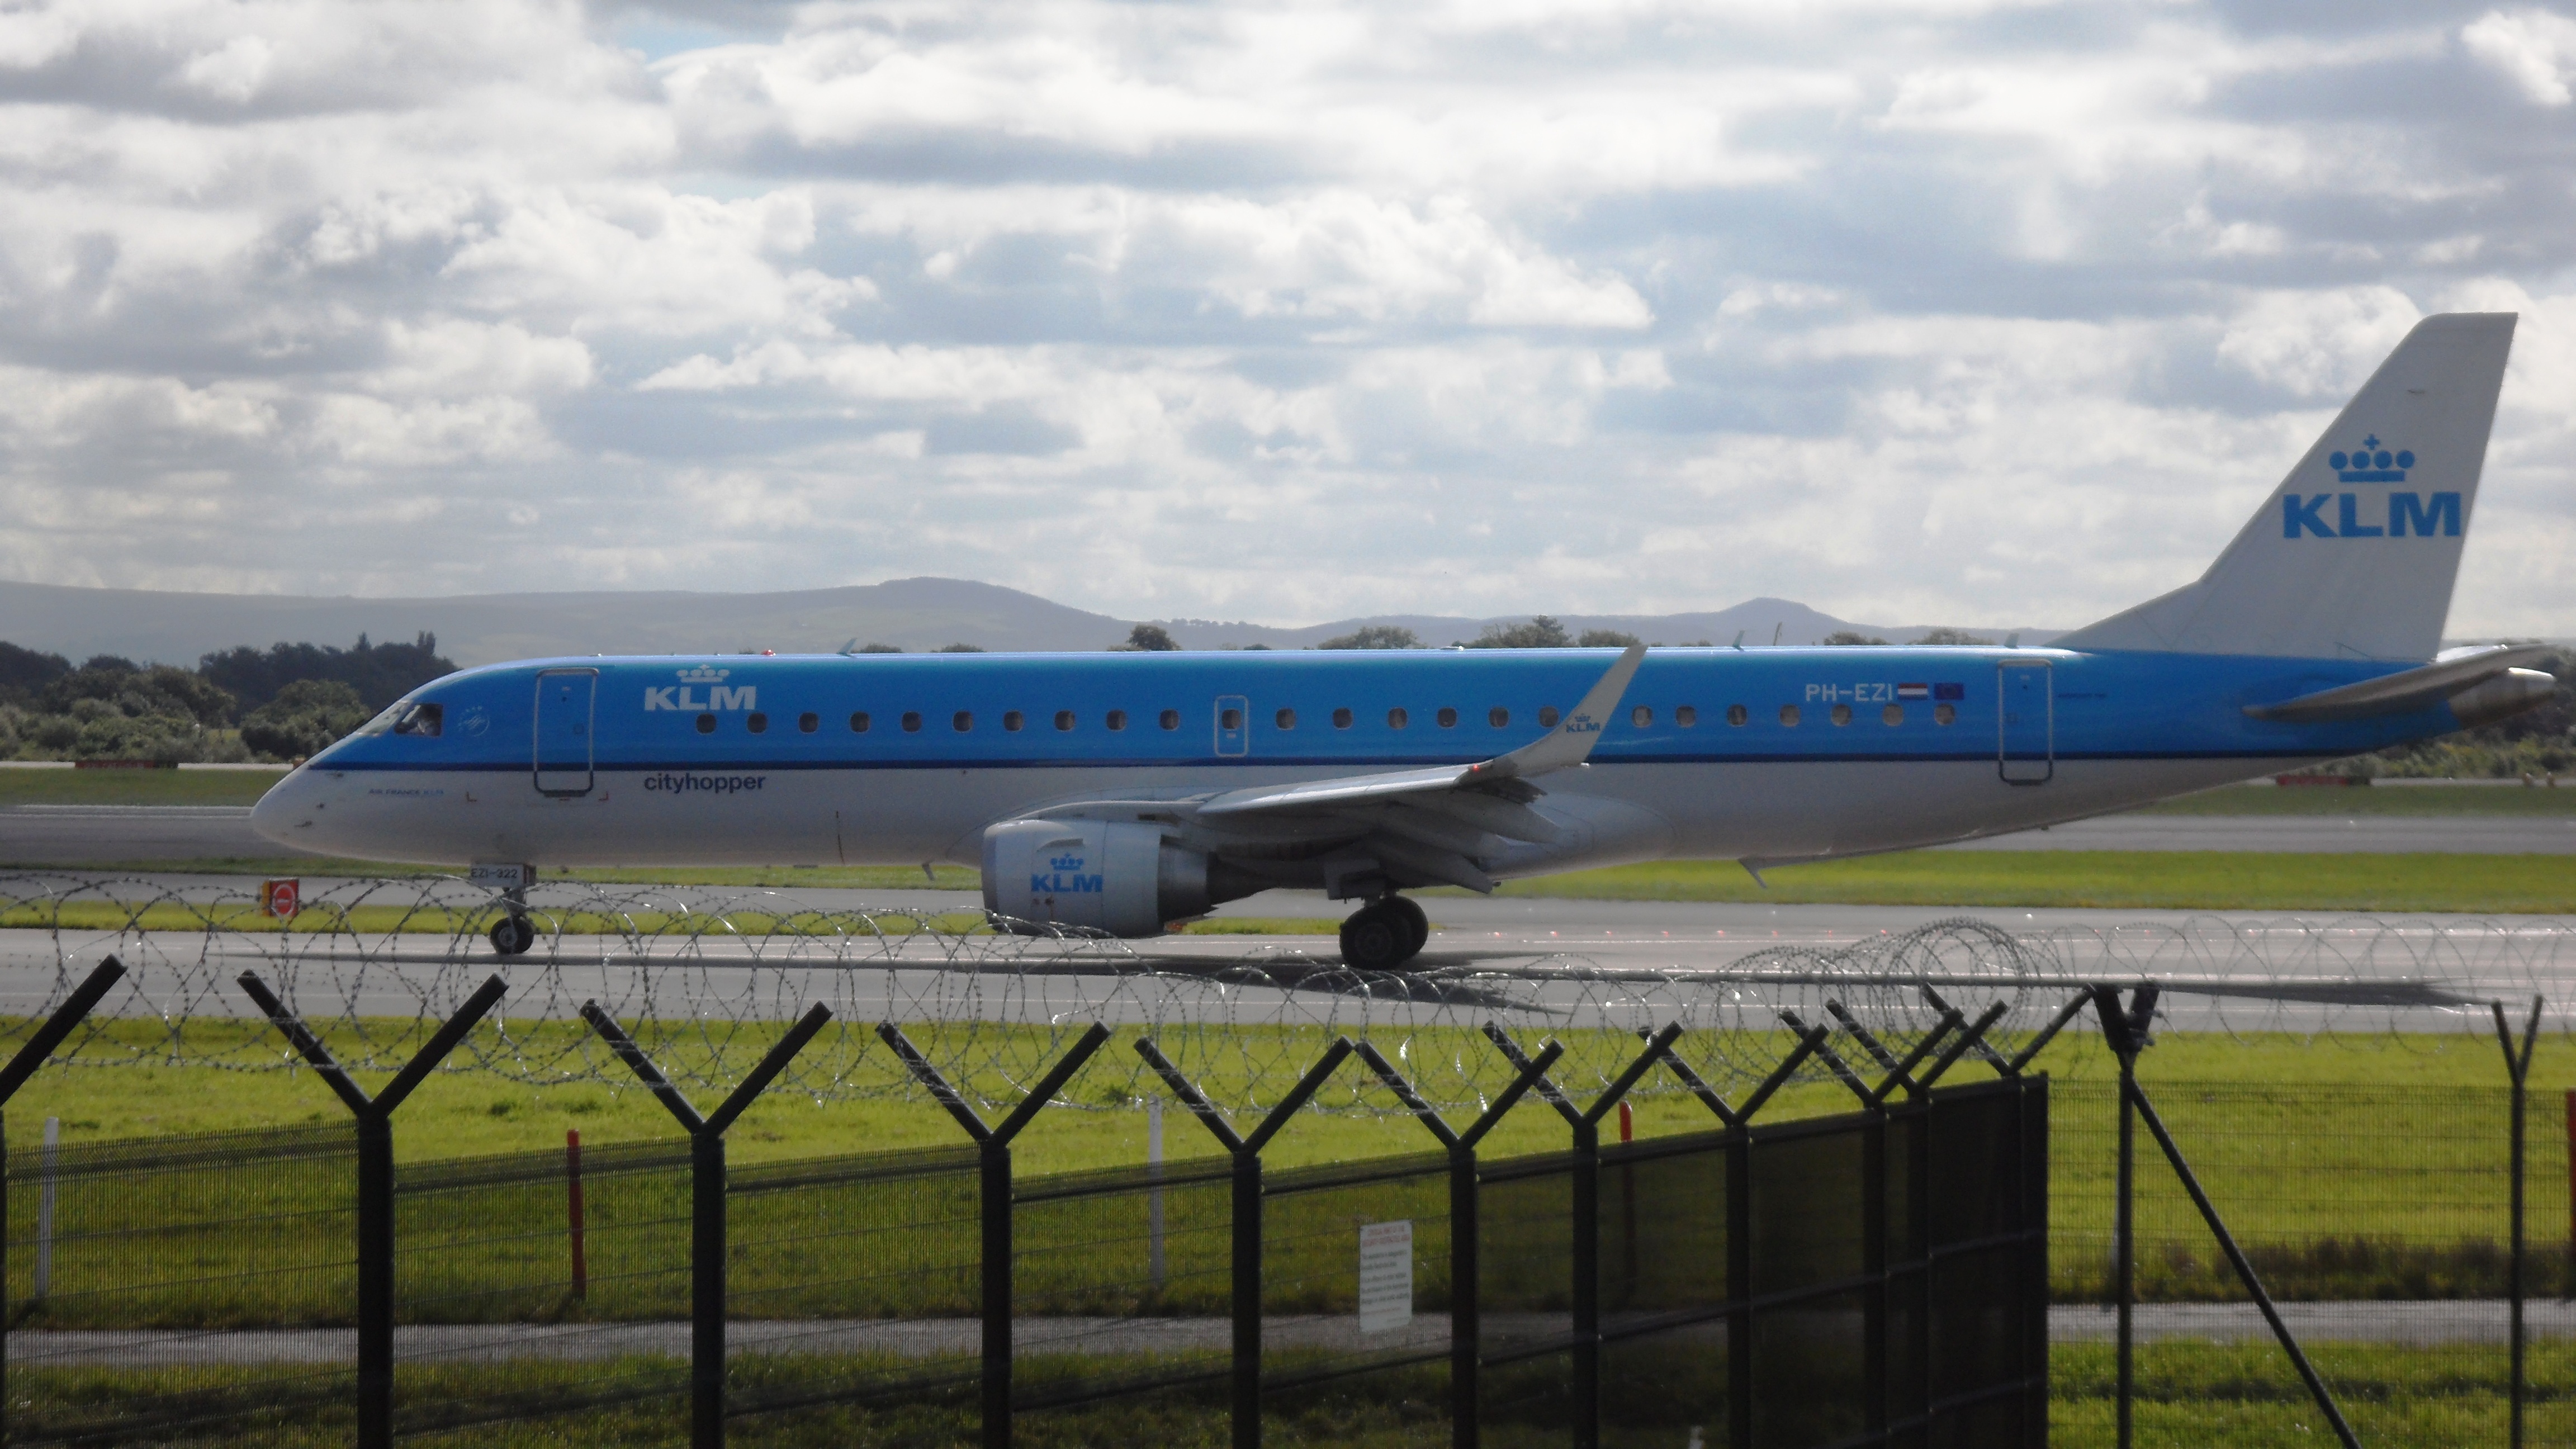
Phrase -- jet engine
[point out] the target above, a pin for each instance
(1114, 876)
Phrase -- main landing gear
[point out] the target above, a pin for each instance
(1384, 934)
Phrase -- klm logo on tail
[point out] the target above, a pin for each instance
(2304, 515)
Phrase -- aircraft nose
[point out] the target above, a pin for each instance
(286, 809)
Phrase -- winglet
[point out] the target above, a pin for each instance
(1570, 743)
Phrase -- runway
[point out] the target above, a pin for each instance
(69, 835)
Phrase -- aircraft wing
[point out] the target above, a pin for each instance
(1569, 744)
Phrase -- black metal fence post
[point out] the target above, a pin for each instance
(707, 1228)
(1465, 1330)
(375, 1180)
(2517, 1065)
(993, 1203)
(1246, 1151)
(83, 1000)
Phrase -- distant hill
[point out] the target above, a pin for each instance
(913, 614)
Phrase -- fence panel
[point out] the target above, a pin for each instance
(1525, 1299)
(1123, 1292)
(492, 1326)
(1355, 1301)
(1664, 1291)
(2377, 1216)
(856, 1297)
(190, 1287)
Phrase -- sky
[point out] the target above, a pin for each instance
(1940, 311)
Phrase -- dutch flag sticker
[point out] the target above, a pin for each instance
(1913, 691)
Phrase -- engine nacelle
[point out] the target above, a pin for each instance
(2506, 695)
(1113, 876)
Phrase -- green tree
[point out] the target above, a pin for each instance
(1605, 639)
(1846, 636)
(1541, 632)
(1951, 636)
(1151, 637)
(1375, 636)
(305, 719)
(959, 649)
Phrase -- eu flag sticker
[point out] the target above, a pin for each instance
(1949, 691)
(1913, 691)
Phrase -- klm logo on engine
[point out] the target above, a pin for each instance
(683, 696)
(1065, 879)
(2354, 515)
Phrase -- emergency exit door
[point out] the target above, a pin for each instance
(567, 710)
(2026, 708)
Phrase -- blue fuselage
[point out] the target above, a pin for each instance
(1760, 754)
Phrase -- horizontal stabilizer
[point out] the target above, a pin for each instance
(2408, 690)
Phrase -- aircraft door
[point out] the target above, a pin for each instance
(2026, 711)
(1233, 725)
(567, 709)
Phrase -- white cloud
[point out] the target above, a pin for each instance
(2534, 48)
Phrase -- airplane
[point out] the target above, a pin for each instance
(1123, 792)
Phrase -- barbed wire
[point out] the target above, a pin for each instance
(705, 980)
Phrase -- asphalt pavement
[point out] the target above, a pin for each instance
(80, 834)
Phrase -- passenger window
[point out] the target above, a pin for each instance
(1894, 714)
(1287, 719)
(1687, 716)
(1012, 720)
(1789, 715)
(1064, 719)
(1395, 719)
(911, 722)
(756, 722)
(809, 722)
(1117, 719)
(1171, 719)
(1229, 719)
(1842, 714)
(421, 719)
(1641, 716)
(1448, 718)
(859, 722)
(1737, 714)
(964, 721)
(1944, 714)
(1498, 716)
(706, 724)
(1341, 719)
(1547, 716)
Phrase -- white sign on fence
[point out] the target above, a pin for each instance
(1386, 1276)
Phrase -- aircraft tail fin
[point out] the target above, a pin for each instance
(2354, 555)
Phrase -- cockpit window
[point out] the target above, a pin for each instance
(407, 717)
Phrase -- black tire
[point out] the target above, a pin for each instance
(1375, 939)
(513, 935)
(1417, 926)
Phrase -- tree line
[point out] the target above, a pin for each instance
(285, 702)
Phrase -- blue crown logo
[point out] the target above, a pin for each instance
(1066, 862)
(2371, 463)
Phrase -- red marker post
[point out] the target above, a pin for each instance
(572, 1177)
(281, 898)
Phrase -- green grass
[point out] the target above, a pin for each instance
(136, 787)
(2370, 800)
(2104, 879)
(2219, 1396)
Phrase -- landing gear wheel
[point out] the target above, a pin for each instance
(513, 935)
(1382, 936)
(1417, 925)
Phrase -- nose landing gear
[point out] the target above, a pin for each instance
(1384, 934)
